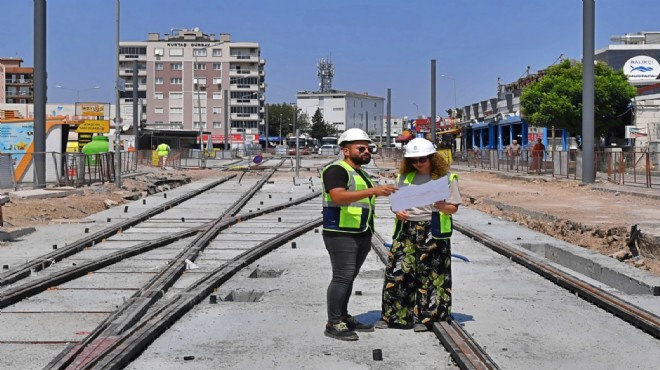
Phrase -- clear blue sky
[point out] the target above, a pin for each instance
(375, 45)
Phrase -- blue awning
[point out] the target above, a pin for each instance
(479, 125)
(510, 120)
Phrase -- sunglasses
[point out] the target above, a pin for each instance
(362, 149)
(421, 160)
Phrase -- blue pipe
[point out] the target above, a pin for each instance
(455, 255)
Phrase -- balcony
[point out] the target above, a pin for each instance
(128, 72)
(23, 94)
(19, 81)
(242, 58)
(241, 73)
(250, 101)
(244, 116)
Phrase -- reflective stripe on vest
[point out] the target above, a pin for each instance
(355, 217)
(441, 224)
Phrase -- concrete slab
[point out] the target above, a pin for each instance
(72, 300)
(28, 356)
(45, 193)
(37, 327)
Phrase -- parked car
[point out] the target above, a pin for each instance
(303, 151)
(329, 149)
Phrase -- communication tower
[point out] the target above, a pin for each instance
(326, 71)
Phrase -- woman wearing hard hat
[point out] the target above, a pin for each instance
(417, 288)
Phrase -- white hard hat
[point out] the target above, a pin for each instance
(419, 147)
(353, 134)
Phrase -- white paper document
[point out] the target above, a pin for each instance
(420, 195)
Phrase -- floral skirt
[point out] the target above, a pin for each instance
(417, 288)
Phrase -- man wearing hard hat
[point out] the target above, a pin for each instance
(349, 199)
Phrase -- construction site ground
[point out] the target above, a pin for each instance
(595, 216)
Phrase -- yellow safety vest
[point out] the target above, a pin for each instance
(163, 150)
(442, 225)
(355, 217)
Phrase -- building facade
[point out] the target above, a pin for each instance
(183, 78)
(16, 82)
(344, 109)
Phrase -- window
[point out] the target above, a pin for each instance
(201, 96)
(176, 110)
(159, 66)
(176, 66)
(217, 80)
(338, 109)
(217, 66)
(158, 96)
(158, 110)
(217, 52)
(217, 110)
(158, 80)
(200, 80)
(176, 80)
(199, 52)
(217, 124)
(200, 66)
(159, 52)
(217, 96)
(176, 52)
(196, 124)
(176, 95)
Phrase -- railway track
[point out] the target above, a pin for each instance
(166, 264)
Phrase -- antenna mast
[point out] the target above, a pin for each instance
(326, 71)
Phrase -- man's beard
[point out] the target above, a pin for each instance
(358, 159)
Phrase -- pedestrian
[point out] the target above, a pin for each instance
(417, 287)
(537, 155)
(513, 152)
(163, 152)
(349, 199)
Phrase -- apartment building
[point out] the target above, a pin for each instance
(182, 79)
(16, 82)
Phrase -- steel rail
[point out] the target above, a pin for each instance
(460, 345)
(136, 307)
(44, 261)
(635, 315)
(36, 286)
(115, 352)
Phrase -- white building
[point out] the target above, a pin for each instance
(345, 109)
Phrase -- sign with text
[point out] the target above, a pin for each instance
(94, 126)
(93, 109)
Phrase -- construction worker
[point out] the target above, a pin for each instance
(417, 287)
(163, 152)
(349, 199)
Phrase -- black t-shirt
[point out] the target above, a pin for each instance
(337, 177)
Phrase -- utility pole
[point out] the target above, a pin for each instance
(40, 79)
(389, 116)
(118, 113)
(225, 96)
(432, 120)
(588, 170)
(135, 105)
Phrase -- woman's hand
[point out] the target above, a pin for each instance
(445, 208)
(401, 215)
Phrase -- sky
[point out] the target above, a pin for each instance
(374, 44)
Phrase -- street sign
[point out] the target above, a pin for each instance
(94, 126)
(121, 84)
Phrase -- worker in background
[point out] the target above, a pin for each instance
(163, 152)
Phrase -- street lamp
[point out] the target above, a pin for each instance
(454, 84)
(416, 109)
(78, 90)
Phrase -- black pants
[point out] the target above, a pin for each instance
(347, 254)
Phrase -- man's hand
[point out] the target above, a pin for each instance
(401, 215)
(384, 190)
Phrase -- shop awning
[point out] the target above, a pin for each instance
(450, 131)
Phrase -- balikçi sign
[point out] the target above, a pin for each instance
(641, 67)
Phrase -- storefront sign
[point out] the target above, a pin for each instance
(641, 67)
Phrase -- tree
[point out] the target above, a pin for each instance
(319, 127)
(280, 118)
(556, 99)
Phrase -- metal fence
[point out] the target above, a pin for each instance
(63, 169)
(619, 166)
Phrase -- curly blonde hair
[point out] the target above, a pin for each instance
(439, 166)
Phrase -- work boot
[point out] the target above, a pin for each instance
(381, 324)
(340, 331)
(420, 327)
(355, 325)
